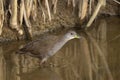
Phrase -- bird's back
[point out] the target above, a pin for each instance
(40, 47)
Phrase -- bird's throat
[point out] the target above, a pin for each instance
(59, 44)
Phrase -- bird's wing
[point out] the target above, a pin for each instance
(41, 46)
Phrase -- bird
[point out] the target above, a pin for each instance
(47, 46)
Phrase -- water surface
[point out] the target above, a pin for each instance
(77, 60)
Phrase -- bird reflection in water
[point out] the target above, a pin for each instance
(47, 46)
(78, 60)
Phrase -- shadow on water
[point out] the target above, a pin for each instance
(94, 57)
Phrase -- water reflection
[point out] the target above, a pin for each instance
(41, 74)
(2, 65)
(77, 60)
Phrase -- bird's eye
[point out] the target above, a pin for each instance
(71, 33)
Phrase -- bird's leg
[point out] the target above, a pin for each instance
(43, 61)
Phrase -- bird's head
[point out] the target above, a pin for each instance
(71, 35)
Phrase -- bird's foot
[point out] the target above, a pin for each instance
(42, 62)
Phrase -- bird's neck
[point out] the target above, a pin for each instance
(59, 44)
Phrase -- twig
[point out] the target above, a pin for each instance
(48, 9)
(100, 3)
(73, 3)
(68, 2)
(14, 17)
(43, 12)
(94, 15)
(90, 8)
(2, 16)
(29, 5)
(55, 6)
(84, 9)
(80, 8)
(118, 36)
(116, 1)
(21, 11)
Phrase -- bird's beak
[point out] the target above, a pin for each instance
(77, 36)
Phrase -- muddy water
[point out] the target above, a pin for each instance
(94, 57)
